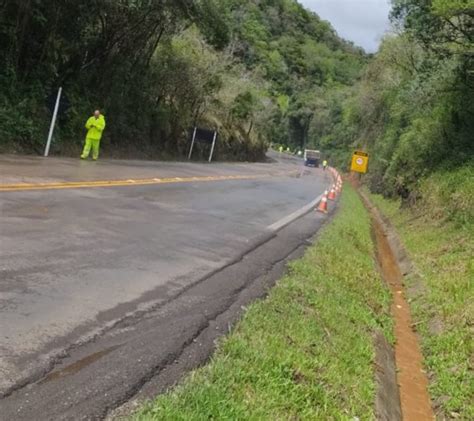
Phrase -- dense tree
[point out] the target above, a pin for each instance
(258, 71)
(158, 66)
(413, 108)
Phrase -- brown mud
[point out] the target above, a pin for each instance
(411, 377)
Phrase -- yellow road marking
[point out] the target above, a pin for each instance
(129, 182)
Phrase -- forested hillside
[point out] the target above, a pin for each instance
(413, 110)
(254, 70)
(258, 71)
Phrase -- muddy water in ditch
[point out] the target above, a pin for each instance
(412, 380)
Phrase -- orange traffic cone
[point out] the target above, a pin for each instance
(323, 205)
(332, 194)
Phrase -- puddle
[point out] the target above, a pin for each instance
(78, 365)
(411, 378)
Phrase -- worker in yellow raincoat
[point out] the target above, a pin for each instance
(95, 125)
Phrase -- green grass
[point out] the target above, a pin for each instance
(306, 351)
(442, 250)
(449, 196)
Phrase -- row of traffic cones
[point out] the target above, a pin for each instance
(330, 194)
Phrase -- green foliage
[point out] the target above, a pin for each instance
(444, 26)
(259, 72)
(213, 19)
(244, 103)
(448, 195)
(450, 8)
(158, 67)
(413, 108)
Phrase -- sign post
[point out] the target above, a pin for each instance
(360, 162)
(53, 122)
(203, 136)
(192, 143)
(212, 147)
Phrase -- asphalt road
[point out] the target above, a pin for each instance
(102, 288)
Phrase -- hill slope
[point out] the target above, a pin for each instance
(252, 69)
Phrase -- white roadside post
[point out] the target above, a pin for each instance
(212, 147)
(53, 122)
(192, 143)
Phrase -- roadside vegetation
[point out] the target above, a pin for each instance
(412, 110)
(438, 234)
(250, 69)
(259, 72)
(307, 350)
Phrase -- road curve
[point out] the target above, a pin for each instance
(104, 275)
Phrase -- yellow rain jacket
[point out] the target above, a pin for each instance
(95, 127)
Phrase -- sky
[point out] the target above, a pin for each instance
(362, 21)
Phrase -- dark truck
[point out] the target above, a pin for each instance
(312, 158)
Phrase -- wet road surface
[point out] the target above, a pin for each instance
(122, 279)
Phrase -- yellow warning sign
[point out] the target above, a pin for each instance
(360, 162)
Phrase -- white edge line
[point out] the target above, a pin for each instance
(295, 215)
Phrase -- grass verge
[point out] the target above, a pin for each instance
(306, 351)
(442, 292)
